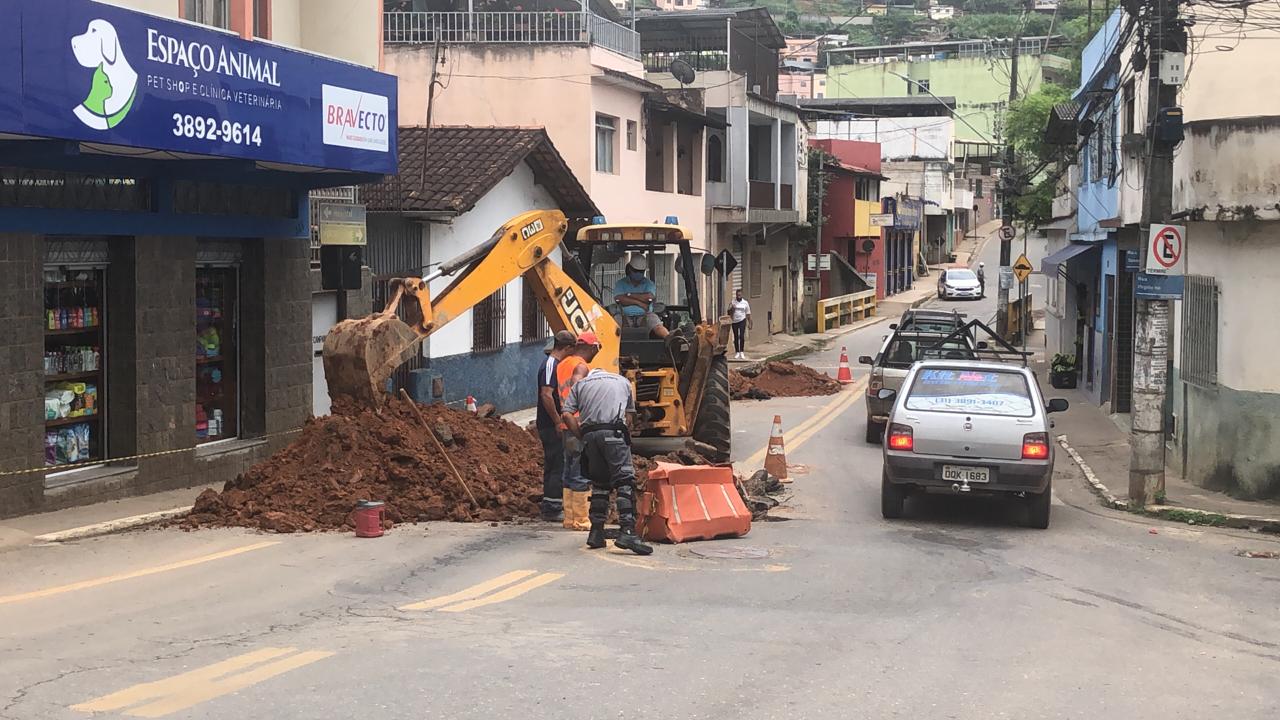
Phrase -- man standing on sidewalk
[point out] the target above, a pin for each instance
(740, 313)
(600, 409)
(982, 278)
(549, 429)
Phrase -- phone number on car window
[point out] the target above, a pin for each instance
(207, 128)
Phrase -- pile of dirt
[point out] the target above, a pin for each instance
(361, 454)
(780, 379)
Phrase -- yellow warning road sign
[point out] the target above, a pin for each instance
(1022, 268)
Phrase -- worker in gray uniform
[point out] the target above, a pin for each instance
(600, 409)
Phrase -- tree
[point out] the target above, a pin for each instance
(1025, 123)
(894, 28)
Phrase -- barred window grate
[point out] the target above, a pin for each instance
(489, 323)
(1199, 361)
(533, 325)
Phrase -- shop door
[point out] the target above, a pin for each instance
(777, 318)
(324, 315)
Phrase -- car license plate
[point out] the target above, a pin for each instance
(964, 473)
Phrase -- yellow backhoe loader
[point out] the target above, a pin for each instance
(681, 382)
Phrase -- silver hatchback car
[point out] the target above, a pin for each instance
(965, 426)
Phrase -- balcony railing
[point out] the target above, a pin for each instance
(517, 28)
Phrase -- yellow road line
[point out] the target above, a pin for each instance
(812, 430)
(162, 697)
(95, 582)
(472, 592)
(817, 421)
(510, 593)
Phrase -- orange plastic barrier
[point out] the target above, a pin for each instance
(691, 502)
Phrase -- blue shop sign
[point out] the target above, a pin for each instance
(910, 211)
(86, 71)
(1158, 286)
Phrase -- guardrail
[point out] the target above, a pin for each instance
(844, 309)
(526, 28)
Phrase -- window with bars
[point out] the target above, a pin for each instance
(533, 325)
(1199, 361)
(489, 323)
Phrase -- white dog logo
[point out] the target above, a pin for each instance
(115, 83)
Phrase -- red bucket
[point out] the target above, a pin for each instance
(368, 516)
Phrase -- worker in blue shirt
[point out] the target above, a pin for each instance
(634, 294)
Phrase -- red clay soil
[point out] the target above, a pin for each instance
(361, 454)
(781, 378)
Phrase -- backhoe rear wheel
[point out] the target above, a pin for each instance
(713, 426)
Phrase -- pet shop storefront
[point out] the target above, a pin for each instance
(155, 260)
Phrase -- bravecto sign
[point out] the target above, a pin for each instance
(355, 119)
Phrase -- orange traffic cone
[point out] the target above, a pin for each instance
(844, 375)
(471, 404)
(775, 458)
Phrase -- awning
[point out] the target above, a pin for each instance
(1049, 266)
(1066, 223)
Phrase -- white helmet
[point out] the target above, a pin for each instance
(982, 264)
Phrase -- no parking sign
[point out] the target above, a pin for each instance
(1166, 250)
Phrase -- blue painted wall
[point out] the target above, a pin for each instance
(506, 378)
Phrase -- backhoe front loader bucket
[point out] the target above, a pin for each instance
(360, 355)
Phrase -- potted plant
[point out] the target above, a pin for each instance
(1062, 373)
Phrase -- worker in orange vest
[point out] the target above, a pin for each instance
(572, 368)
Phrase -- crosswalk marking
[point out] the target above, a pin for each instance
(162, 697)
(508, 586)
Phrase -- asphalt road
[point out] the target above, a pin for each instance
(955, 612)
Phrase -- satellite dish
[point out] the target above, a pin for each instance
(682, 71)
(868, 245)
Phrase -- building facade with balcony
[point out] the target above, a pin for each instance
(756, 177)
(850, 196)
(155, 232)
(575, 73)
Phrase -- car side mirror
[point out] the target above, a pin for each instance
(983, 345)
(886, 393)
(893, 326)
(708, 264)
(1057, 405)
(865, 359)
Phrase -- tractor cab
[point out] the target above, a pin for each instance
(603, 252)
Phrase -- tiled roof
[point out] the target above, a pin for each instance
(449, 169)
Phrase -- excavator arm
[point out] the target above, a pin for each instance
(361, 354)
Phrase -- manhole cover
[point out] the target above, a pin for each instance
(731, 552)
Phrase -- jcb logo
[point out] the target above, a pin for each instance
(531, 229)
(577, 317)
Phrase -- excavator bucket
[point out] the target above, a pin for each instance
(360, 355)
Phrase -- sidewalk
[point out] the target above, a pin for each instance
(783, 346)
(96, 519)
(1101, 445)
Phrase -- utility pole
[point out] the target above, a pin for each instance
(431, 96)
(1151, 337)
(1004, 277)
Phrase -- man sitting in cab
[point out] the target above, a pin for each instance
(634, 294)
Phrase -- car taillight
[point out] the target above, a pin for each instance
(900, 437)
(1035, 446)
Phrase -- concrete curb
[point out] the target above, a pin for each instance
(1105, 495)
(112, 526)
(1172, 513)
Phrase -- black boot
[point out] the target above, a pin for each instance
(595, 538)
(628, 540)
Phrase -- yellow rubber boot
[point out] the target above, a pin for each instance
(570, 518)
(581, 503)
